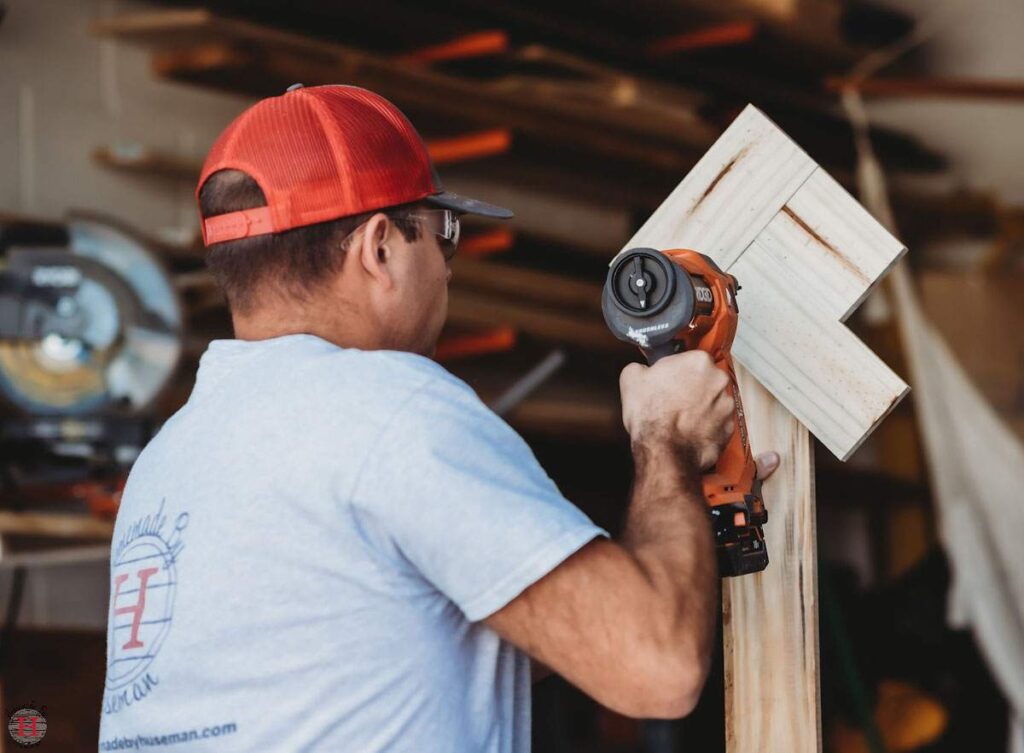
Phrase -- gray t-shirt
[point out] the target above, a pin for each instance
(304, 552)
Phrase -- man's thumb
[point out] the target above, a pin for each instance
(767, 462)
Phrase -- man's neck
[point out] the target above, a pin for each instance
(265, 327)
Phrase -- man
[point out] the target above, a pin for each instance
(334, 545)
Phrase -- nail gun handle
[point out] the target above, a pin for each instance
(655, 354)
(733, 474)
(734, 494)
(735, 470)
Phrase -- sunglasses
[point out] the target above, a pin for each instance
(444, 223)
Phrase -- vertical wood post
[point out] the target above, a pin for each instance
(770, 619)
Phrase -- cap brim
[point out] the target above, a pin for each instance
(450, 200)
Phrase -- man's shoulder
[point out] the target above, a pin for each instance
(442, 408)
(410, 392)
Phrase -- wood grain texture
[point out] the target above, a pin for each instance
(735, 189)
(771, 618)
(836, 247)
(819, 370)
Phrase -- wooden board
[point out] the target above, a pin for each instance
(198, 46)
(55, 525)
(770, 619)
(806, 254)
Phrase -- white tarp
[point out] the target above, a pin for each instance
(976, 465)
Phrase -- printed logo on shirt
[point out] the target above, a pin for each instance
(143, 580)
(27, 726)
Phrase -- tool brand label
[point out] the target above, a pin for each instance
(704, 295)
(143, 582)
(639, 336)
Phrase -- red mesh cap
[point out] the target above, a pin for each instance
(324, 152)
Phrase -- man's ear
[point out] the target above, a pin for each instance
(374, 249)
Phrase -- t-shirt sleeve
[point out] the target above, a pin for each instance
(459, 495)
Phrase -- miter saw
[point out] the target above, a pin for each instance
(90, 333)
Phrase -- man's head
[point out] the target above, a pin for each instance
(322, 213)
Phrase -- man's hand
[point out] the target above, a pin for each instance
(683, 402)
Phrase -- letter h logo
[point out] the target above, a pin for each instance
(136, 609)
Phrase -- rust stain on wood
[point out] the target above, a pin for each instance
(840, 257)
(724, 171)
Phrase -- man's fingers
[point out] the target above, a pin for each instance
(724, 405)
(767, 462)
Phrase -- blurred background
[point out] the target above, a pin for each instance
(582, 118)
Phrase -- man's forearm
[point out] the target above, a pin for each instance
(631, 622)
(668, 530)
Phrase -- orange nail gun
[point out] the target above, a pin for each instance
(667, 302)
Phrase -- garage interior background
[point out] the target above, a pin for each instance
(582, 123)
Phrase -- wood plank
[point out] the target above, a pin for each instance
(933, 88)
(195, 44)
(811, 363)
(805, 254)
(835, 245)
(136, 158)
(770, 619)
(753, 165)
(54, 524)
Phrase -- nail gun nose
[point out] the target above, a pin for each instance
(639, 282)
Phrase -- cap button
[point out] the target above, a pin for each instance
(293, 87)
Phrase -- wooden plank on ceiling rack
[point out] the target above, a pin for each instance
(54, 525)
(810, 27)
(795, 100)
(931, 88)
(623, 83)
(200, 46)
(196, 47)
(136, 158)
